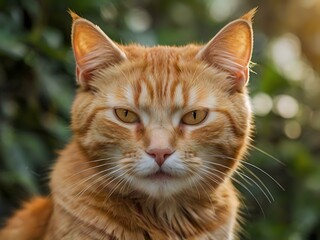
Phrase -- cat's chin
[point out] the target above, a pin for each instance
(160, 176)
(162, 185)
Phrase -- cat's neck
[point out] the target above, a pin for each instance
(181, 215)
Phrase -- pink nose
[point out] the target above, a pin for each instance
(160, 154)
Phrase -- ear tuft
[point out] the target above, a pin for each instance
(230, 50)
(73, 15)
(250, 15)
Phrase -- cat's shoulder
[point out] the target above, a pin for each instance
(30, 222)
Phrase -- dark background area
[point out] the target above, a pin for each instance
(37, 85)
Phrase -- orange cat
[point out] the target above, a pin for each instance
(157, 134)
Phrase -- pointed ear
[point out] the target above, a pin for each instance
(93, 50)
(231, 49)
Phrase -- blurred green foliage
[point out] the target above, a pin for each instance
(37, 87)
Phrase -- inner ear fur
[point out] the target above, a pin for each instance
(231, 49)
(92, 48)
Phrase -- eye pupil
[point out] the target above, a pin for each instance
(125, 113)
(194, 115)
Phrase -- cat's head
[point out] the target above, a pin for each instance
(162, 120)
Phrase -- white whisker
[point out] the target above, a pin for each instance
(243, 175)
(237, 181)
(247, 163)
(269, 155)
(256, 177)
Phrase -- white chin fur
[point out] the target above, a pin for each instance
(164, 188)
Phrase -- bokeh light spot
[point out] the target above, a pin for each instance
(286, 106)
(292, 129)
(109, 12)
(221, 10)
(286, 54)
(307, 3)
(138, 20)
(262, 104)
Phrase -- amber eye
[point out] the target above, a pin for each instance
(126, 115)
(194, 117)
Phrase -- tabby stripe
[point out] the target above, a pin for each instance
(237, 131)
(176, 73)
(142, 79)
(159, 83)
(186, 96)
(85, 128)
(165, 88)
(173, 87)
(138, 90)
(149, 87)
(171, 75)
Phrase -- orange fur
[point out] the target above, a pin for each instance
(30, 222)
(108, 183)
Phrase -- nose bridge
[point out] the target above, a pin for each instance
(159, 138)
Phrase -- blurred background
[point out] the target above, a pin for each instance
(37, 85)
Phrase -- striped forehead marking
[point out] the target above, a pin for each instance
(158, 82)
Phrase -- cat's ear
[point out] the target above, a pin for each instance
(231, 49)
(92, 48)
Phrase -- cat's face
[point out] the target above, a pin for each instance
(162, 120)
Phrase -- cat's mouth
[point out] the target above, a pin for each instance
(160, 175)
